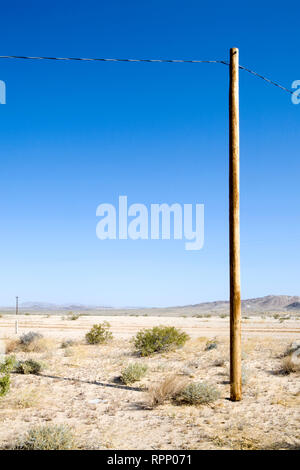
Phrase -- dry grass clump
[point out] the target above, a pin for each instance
(178, 388)
(247, 443)
(166, 390)
(293, 347)
(41, 345)
(11, 345)
(288, 366)
(133, 372)
(29, 342)
(77, 354)
(29, 397)
(287, 400)
(49, 437)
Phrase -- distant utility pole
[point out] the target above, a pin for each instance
(234, 230)
(17, 311)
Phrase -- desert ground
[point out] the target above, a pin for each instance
(79, 385)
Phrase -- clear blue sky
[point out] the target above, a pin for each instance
(74, 135)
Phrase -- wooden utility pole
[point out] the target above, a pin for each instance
(17, 311)
(234, 230)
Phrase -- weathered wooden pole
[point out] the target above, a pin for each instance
(17, 311)
(234, 230)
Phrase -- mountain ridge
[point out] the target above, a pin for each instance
(268, 303)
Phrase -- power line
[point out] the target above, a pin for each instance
(180, 61)
(266, 79)
(117, 60)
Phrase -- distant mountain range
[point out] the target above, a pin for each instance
(49, 306)
(259, 305)
(267, 303)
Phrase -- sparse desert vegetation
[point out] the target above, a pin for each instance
(29, 342)
(171, 395)
(5, 369)
(198, 394)
(133, 372)
(48, 437)
(168, 389)
(159, 339)
(99, 334)
(288, 365)
(29, 366)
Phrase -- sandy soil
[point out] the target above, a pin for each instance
(125, 326)
(268, 416)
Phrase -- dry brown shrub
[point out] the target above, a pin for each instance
(11, 345)
(36, 346)
(288, 365)
(166, 390)
(39, 345)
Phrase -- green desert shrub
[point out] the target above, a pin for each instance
(133, 372)
(48, 437)
(4, 384)
(159, 339)
(29, 366)
(99, 334)
(7, 365)
(198, 394)
(5, 368)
